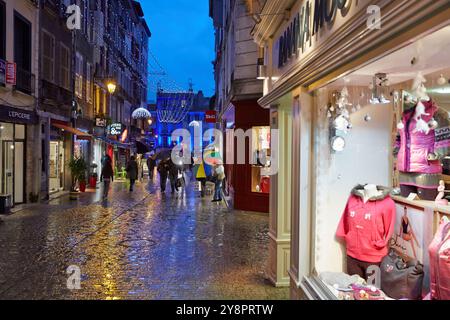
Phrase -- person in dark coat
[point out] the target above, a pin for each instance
(173, 175)
(107, 176)
(163, 169)
(151, 164)
(132, 171)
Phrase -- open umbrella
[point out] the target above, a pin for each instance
(212, 157)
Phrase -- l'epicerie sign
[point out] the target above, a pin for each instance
(15, 115)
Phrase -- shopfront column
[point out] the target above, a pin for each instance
(280, 197)
(302, 163)
(34, 160)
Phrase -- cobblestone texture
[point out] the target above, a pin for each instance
(144, 245)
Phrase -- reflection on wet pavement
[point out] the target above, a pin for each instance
(144, 245)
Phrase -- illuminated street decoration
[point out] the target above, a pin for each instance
(173, 107)
(141, 113)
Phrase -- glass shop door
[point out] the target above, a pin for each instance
(8, 169)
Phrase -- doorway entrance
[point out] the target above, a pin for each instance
(56, 170)
(12, 173)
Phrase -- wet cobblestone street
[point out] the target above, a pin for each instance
(144, 245)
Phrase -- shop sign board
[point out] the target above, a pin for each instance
(11, 73)
(311, 19)
(2, 71)
(210, 116)
(14, 115)
(115, 129)
(100, 122)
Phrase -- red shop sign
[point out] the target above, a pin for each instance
(11, 73)
(211, 116)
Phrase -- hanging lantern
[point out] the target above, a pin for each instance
(141, 113)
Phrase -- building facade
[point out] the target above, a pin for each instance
(313, 82)
(120, 56)
(194, 117)
(237, 93)
(19, 125)
(55, 102)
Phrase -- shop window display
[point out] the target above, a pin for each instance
(382, 150)
(261, 164)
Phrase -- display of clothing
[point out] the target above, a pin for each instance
(367, 225)
(439, 252)
(265, 185)
(423, 141)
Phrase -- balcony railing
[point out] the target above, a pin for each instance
(56, 93)
(25, 81)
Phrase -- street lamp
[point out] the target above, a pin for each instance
(111, 87)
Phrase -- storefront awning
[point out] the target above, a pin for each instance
(80, 134)
(118, 144)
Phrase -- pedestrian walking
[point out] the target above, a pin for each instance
(218, 177)
(163, 169)
(151, 164)
(173, 176)
(107, 176)
(199, 174)
(132, 172)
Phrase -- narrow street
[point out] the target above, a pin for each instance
(143, 245)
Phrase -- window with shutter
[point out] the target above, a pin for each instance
(48, 56)
(89, 82)
(2, 30)
(79, 76)
(65, 67)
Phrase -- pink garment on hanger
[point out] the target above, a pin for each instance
(439, 251)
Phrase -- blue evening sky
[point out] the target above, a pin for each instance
(183, 42)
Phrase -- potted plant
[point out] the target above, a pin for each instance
(77, 168)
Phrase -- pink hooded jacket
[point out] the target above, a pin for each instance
(414, 147)
(367, 227)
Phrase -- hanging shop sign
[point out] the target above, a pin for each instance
(14, 115)
(210, 116)
(311, 18)
(115, 129)
(2, 72)
(100, 122)
(11, 73)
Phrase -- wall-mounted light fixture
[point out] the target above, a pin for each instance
(262, 68)
(257, 17)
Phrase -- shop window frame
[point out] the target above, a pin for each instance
(14, 140)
